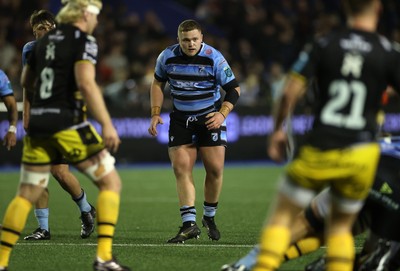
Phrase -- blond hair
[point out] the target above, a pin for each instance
(73, 10)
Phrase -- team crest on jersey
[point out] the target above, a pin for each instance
(91, 48)
(208, 52)
(228, 71)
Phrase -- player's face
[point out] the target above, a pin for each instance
(190, 41)
(92, 22)
(40, 29)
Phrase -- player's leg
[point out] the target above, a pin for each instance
(339, 240)
(213, 158)
(100, 168)
(99, 165)
(307, 231)
(42, 216)
(276, 235)
(70, 184)
(348, 194)
(183, 159)
(33, 181)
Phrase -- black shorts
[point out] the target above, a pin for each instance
(185, 129)
(383, 202)
(60, 161)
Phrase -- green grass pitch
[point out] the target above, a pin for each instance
(149, 215)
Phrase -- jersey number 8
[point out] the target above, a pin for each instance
(47, 78)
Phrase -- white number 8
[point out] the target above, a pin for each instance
(47, 77)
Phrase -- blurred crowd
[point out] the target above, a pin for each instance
(259, 38)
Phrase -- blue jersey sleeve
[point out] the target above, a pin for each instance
(160, 71)
(5, 85)
(223, 71)
(26, 51)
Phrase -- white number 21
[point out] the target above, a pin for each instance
(342, 94)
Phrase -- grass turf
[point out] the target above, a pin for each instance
(149, 215)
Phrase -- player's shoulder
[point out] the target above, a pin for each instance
(3, 76)
(170, 51)
(70, 32)
(4, 82)
(28, 46)
(209, 51)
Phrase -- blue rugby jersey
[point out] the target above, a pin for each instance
(390, 146)
(195, 82)
(26, 50)
(5, 85)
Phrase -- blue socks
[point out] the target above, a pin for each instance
(82, 202)
(42, 216)
(210, 209)
(188, 213)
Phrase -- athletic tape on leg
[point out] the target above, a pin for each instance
(102, 168)
(35, 178)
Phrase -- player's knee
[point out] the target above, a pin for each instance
(298, 195)
(346, 205)
(35, 178)
(104, 166)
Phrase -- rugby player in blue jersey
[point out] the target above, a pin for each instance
(7, 96)
(195, 72)
(43, 21)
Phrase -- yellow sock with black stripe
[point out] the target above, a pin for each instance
(107, 216)
(340, 252)
(275, 241)
(302, 247)
(13, 223)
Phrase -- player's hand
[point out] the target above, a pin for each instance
(277, 146)
(10, 140)
(111, 138)
(155, 120)
(215, 120)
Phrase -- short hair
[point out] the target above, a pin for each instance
(41, 16)
(355, 7)
(73, 10)
(189, 25)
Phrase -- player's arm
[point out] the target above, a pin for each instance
(28, 80)
(294, 89)
(156, 101)
(232, 94)
(10, 139)
(26, 101)
(85, 80)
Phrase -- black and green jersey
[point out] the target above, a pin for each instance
(57, 103)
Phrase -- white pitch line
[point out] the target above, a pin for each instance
(143, 245)
(134, 245)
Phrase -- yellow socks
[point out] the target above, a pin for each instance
(13, 223)
(302, 247)
(274, 242)
(340, 252)
(107, 216)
